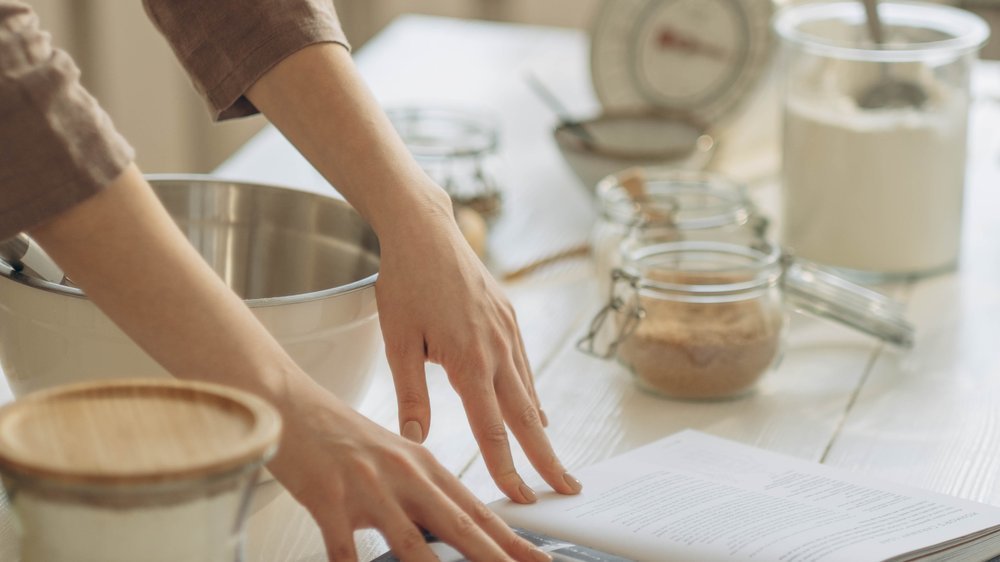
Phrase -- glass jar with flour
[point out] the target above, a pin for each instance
(875, 135)
(134, 469)
(706, 320)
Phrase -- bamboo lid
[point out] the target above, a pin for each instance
(134, 431)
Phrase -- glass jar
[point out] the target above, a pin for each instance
(457, 149)
(669, 204)
(134, 469)
(874, 143)
(706, 320)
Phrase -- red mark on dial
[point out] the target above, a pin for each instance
(668, 39)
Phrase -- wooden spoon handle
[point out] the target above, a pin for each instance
(874, 22)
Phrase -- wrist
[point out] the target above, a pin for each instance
(412, 211)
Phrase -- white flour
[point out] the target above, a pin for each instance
(877, 191)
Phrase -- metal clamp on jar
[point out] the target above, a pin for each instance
(673, 204)
(705, 319)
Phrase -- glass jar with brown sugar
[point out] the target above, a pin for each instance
(706, 319)
(681, 204)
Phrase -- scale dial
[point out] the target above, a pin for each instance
(697, 57)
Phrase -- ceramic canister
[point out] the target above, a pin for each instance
(134, 469)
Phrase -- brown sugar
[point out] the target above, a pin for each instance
(700, 350)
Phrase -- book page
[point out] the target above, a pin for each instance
(695, 496)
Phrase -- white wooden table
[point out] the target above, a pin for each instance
(930, 418)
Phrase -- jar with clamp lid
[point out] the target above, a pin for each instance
(457, 148)
(676, 204)
(706, 319)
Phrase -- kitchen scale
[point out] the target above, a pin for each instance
(685, 64)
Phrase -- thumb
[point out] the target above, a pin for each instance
(410, 380)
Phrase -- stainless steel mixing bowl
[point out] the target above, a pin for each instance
(305, 264)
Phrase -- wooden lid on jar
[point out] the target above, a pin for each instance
(134, 431)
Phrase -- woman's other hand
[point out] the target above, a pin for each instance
(351, 474)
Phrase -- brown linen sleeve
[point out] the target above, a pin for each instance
(57, 146)
(226, 45)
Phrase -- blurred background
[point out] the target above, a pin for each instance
(128, 66)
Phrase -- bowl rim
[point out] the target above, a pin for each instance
(563, 136)
(7, 271)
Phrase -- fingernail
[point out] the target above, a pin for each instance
(413, 431)
(527, 493)
(572, 482)
(543, 417)
(540, 555)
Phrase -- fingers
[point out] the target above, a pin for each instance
(407, 366)
(481, 407)
(403, 536)
(492, 525)
(338, 535)
(458, 528)
(527, 377)
(523, 418)
(487, 408)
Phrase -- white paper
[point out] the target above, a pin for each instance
(695, 496)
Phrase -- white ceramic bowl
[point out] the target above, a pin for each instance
(616, 140)
(305, 264)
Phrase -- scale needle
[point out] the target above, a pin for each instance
(671, 39)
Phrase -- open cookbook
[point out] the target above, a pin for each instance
(693, 496)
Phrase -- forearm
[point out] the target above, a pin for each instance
(126, 253)
(124, 250)
(318, 100)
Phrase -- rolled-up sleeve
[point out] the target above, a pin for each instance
(57, 146)
(226, 45)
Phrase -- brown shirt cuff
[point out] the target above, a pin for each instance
(57, 146)
(226, 45)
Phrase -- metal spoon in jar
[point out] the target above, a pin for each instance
(888, 92)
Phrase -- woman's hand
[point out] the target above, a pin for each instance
(438, 303)
(352, 474)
